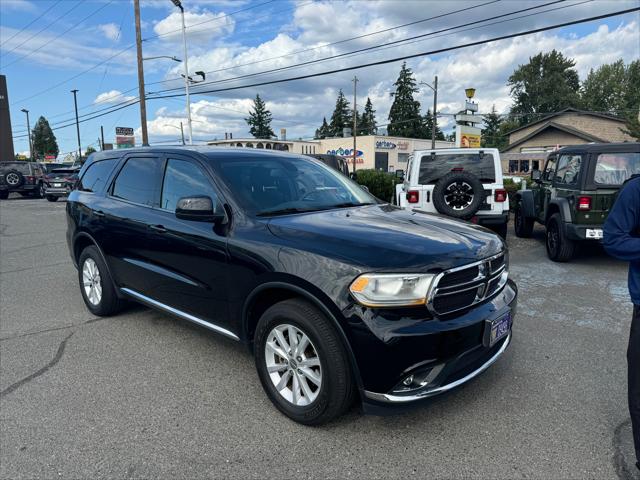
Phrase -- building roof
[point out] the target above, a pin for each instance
(568, 110)
(558, 126)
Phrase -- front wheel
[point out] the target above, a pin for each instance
(302, 363)
(522, 225)
(96, 285)
(559, 247)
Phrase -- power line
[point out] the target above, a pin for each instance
(415, 55)
(60, 35)
(31, 22)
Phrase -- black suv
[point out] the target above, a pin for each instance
(25, 178)
(337, 295)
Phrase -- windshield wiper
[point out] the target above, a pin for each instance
(284, 211)
(350, 204)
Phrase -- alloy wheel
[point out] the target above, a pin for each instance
(12, 179)
(91, 281)
(458, 195)
(293, 365)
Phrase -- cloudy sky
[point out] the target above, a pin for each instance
(49, 47)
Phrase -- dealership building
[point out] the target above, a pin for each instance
(372, 151)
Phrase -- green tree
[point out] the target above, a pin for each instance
(260, 120)
(89, 150)
(604, 89)
(427, 127)
(323, 131)
(547, 84)
(341, 117)
(404, 115)
(493, 133)
(44, 141)
(632, 127)
(367, 124)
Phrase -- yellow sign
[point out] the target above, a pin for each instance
(470, 140)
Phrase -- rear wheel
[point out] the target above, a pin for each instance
(522, 225)
(39, 192)
(96, 285)
(302, 364)
(559, 247)
(52, 198)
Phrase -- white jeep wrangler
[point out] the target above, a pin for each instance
(463, 183)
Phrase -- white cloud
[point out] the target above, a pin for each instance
(111, 31)
(17, 5)
(112, 96)
(201, 26)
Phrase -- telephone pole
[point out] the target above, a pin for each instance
(143, 103)
(434, 125)
(75, 103)
(355, 121)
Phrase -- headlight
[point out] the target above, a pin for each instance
(391, 289)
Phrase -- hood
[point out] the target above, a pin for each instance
(387, 237)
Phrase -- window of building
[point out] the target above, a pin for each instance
(524, 166)
(535, 164)
(138, 180)
(249, 145)
(95, 178)
(268, 146)
(403, 158)
(183, 179)
(259, 145)
(514, 166)
(238, 144)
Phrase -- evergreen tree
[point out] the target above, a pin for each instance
(404, 115)
(491, 137)
(547, 84)
(367, 122)
(427, 127)
(44, 141)
(341, 117)
(323, 131)
(260, 120)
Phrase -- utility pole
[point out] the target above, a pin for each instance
(29, 135)
(435, 117)
(143, 103)
(101, 137)
(178, 4)
(75, 104)
(355, 121)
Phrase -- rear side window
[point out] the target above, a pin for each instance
(433, 168)
(184, 179)
(138, 181)
(616, 168)
(96, 175)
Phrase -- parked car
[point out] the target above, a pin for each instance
(338, 296)
(60, 182)
(48, 167)
(574, 194)
(334, 161)
(25, 178)
(463, 183)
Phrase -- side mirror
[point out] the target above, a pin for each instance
(365, 188)
(400, 174)
(199, 209)
(536, 176)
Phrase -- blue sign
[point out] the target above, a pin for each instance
(386, 145)
(345, 152)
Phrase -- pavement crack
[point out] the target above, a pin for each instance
(42, 371)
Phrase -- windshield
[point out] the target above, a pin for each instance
(433, 168)
(616, 168)
(280, 185)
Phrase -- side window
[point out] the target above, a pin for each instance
(96, 175)
(568, 169)
(184, 179)
(550, 168)
(138, 181)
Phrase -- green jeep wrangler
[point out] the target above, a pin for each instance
(574, 194)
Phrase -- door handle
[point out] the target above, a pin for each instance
(98, 213)
(158, 228)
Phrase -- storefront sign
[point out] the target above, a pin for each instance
(468, 137)
(402, 145)
(345, 152)
(384, 144)
(124, 137)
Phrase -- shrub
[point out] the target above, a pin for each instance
(380, 184)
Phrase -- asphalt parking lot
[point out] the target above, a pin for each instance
(146, 395)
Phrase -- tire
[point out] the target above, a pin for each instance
(13, 178)
(501, 230)
(52, 198)
(108, 302)
(4, 195)
(458, 195)
(39, 192)
(336, 391)
(559, 247)
(523, 226)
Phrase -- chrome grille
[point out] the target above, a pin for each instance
(462, 287)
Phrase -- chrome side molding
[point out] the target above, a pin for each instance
(179, 313)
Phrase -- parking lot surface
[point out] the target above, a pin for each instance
(146, 395)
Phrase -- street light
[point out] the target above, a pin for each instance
(178, 4)
(435, 106)
(174, 58)
(181, 130)
(29, 134)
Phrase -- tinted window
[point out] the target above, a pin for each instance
(22, 167)
(184, 179)
(568, 169)
(616, 168)
(138, 181)
(96, 175)
(434, 168)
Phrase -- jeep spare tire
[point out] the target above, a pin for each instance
(13, 178)
(458, 195)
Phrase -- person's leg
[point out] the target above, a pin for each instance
(633, 359)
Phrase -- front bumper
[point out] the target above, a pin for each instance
(584, 232)
(446, 352)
